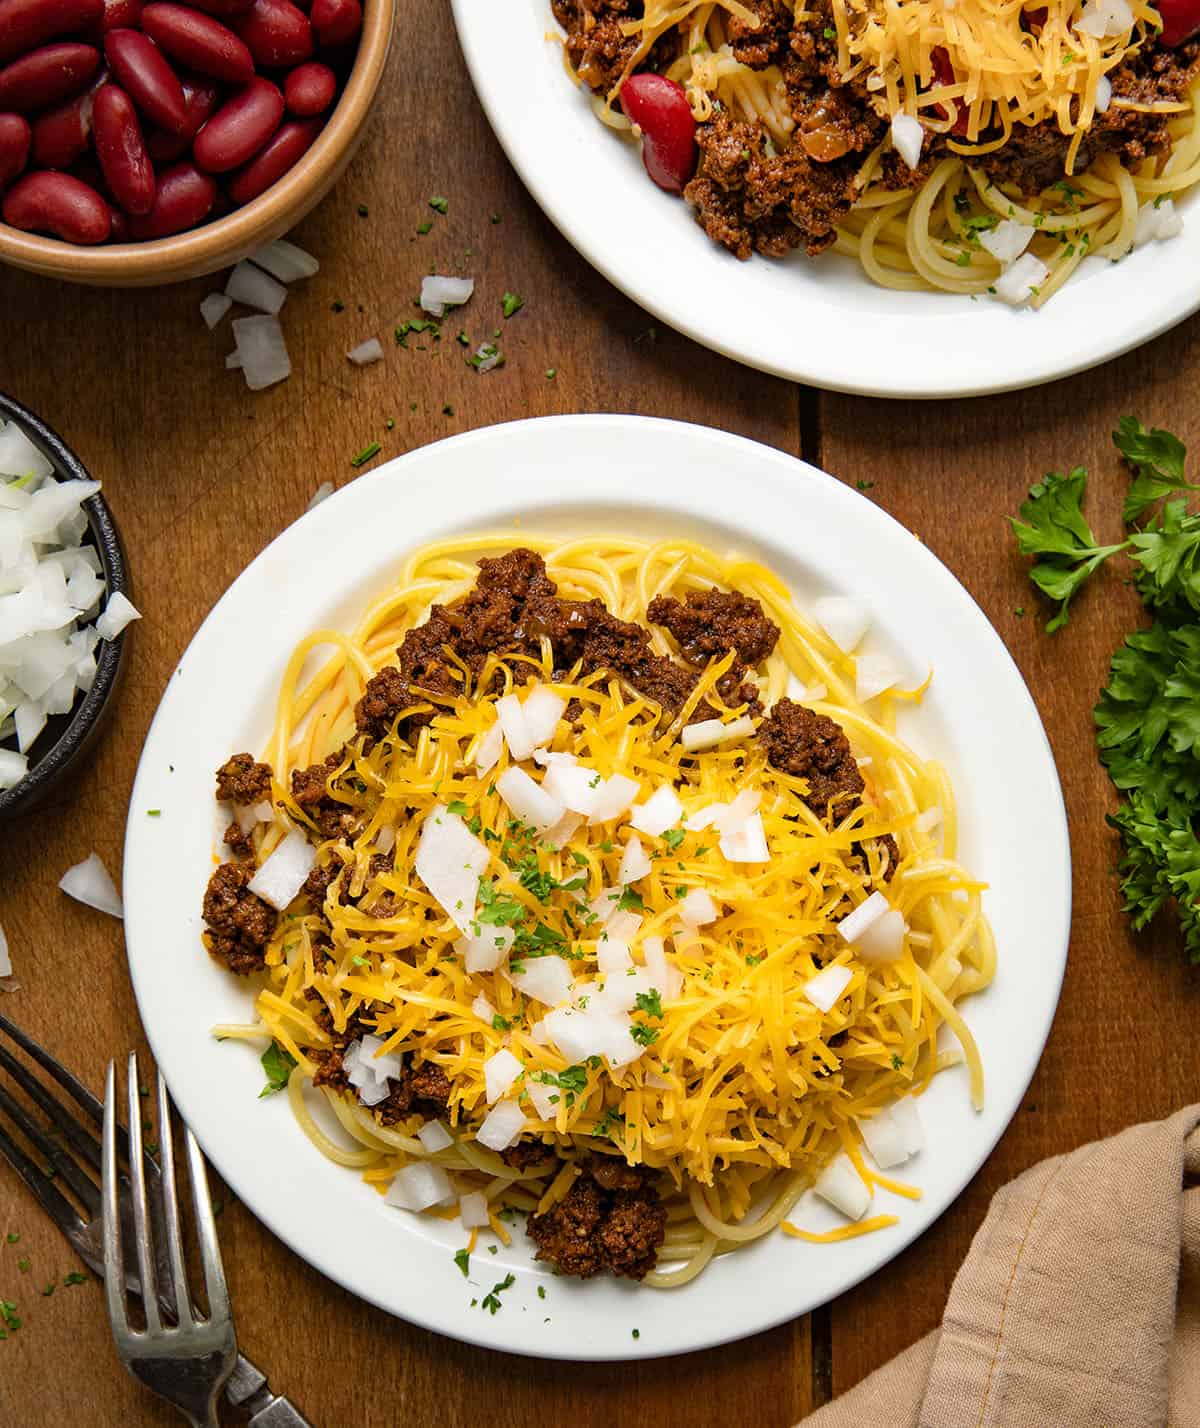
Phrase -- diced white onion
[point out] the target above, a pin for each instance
(883, 941)
(261, 351)
(214, 307)
(254, 288)
(322, 493)
(842, 1186)
(827, 986)
(563, 831)
(527, 800)
(434, 1136)
(664, 974)
(439, 292)
(5, 959)
(1021, 280)
(500, 1070)
(908, 136)
(385, 839)
(575, 786)
(698, 908)
(855, 923)
(874, 673)
(483, 1009)
(545, 979)
(487, 755)
(285, 261)
(281, 877)
(502, 1126)
(894, 1134)
(511, 715)
(709, 733)
(89, 882)
(748, 843)
(1008, 240)
(1103, 94)
(662, 810)
(420, 1186)
(622, 989)
(485, 952)
(845, 621)
(13, 768)
(366, 352)
(1156, 222)
(449, 862)
(544, 1099)
(543, 711)
(1105, 19)
(118, 613)
(634, 862)
(613, 797)
(612, 955)
(487, 357)
(473, 1211)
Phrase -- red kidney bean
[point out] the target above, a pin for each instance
(58, 204)
(121, 14)
(239, 128)
(61, 135)
(16, 139)
(185, 197)
(278, 34)
(25, 24)
(335, 22)
(47, 76)
(222, 8)
(199, 42)
(291, 142)
(309, 89)
(202, 99)
(120, 227)
(138, 64)
(659, 107)
(121, 150)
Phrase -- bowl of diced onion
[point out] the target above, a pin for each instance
(64, 606)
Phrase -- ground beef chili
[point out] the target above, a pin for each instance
(239, 922)
(512, 609)
(238, 841)
(310, 790)
(609, 1221)
(241, 780)
(815, 748)
(422, 1087)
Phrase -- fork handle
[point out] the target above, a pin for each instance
(279, 1414)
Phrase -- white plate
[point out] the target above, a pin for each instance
(571, 474)
(821, 322)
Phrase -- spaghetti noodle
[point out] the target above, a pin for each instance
(942, 144)
(708, 1023)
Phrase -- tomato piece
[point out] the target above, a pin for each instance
(1181, 20)
(660, 109)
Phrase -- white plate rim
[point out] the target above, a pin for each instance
(933, 345)
(588, 1321)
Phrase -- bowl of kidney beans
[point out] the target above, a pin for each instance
(147, 141)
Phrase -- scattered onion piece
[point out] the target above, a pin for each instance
(89, 882)
(420, 1186)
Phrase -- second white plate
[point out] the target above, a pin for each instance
(816, 321)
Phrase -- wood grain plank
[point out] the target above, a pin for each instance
(202, 475)
(1121, 1050)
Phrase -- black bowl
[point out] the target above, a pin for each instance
(62, 744)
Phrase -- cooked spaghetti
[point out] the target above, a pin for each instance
(969, 146)
(592, 882)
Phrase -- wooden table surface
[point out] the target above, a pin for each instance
(203, 474)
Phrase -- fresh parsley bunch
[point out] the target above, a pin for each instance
(1148, 717)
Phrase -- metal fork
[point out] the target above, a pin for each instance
(186, 1362)
(73, 1145)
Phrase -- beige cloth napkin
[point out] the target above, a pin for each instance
(1078, 1305)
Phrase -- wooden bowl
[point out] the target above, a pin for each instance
(223, 241)
(61, 747)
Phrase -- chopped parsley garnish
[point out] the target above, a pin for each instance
(673, 837)
(439, 204)
(510, 303)
(462, 1259)
(23, 1265)
(359, 961)
(491, 1300)
(551, 373)
(456, 805)
(496, 910)
(1156, 458)
(153, 812)
(829, 32)
(637, 1333)
(12, 1238)
(366, 454)
(541, 1291)
(862, 485)
(644, 1035)
(363, 210)
(74, 1278)
(496, 218)
(277, 1063)
(423, 228)
(337, 305)
(500, 1023)
(897, 1064)
(573, 1081)
(630, 901)
(649, 1002)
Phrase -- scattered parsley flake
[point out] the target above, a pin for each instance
(368, 453)
(439, 204)
(277, 1063)
(462, 1258)
(491, 1300)
(510, 303)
